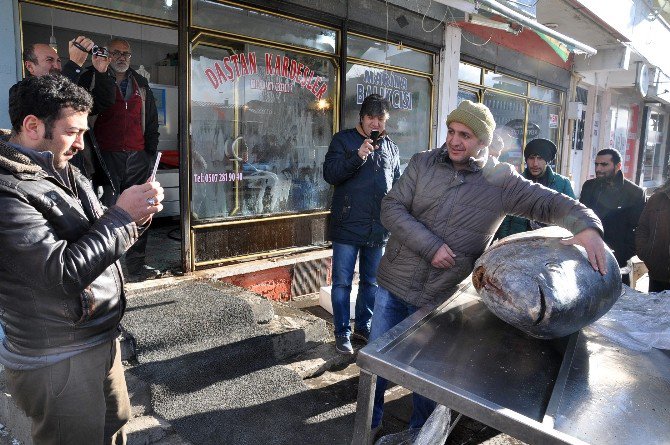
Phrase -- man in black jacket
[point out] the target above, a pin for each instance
(363, 166)
(617, 202)
(61, 295)
(127, 133)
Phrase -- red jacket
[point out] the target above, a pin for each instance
(119, 127)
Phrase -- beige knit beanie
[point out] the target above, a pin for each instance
(475, 116)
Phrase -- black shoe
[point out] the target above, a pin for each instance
(363, 336)
(343, 345)
(144, 272)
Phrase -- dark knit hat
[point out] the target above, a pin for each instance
(477, 117)
(544, 148)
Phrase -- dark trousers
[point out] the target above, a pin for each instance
(128, 168)
(82, 400)
(658, 286)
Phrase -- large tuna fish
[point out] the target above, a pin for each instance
(546, 289)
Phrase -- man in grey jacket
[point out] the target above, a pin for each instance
(443, 212)
(61, 288)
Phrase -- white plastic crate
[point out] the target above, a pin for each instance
(326, 303)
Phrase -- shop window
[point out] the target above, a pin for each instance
(410, 97)
(161, 9)
(619, 120)
(505, 83)
(388, 53)
(653, 149)
(509, 113)
(545, 94)
(261, 120)
(469, 73)
(466, 95)
(263, 26)
(522, 111)
(153, 48)
(546, 118)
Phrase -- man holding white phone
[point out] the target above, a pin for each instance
(61, 288)
(127, 133)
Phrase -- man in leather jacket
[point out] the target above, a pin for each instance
(61, 287)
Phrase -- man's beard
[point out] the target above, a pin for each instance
(122, 69)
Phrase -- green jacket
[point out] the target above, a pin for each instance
(515, 224)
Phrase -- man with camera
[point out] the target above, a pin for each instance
(61, 289)
(41, 59)
(363, 164)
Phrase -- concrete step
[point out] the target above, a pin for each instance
(315, 361)
(206, 351)
(205, 356)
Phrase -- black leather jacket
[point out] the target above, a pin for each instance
(103, 89)
(61, 286)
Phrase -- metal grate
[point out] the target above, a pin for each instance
(309, 276)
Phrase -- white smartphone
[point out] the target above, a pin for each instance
(152, 177)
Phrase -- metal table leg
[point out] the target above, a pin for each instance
(364, 403)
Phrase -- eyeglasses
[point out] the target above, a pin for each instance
(117, 54)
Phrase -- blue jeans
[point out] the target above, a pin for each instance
(344, 261)
(389, 311)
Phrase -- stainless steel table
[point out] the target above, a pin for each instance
(578, 389)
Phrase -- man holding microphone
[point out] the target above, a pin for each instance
(363, 164)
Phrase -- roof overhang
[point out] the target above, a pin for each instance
(572, 44)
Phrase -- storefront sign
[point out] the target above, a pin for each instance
(232, 68)
(629, 158)
(388, 85)
(201, 178)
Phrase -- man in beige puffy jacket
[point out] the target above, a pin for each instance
(443, 212)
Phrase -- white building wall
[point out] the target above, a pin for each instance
(448, 83)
